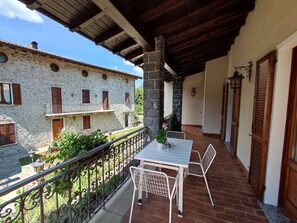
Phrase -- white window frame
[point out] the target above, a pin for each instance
(10, 91)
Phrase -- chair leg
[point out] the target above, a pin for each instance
(176, 196)
(131, 211)
(209, 194)
(170, 210)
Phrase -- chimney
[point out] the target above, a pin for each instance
(33, 45)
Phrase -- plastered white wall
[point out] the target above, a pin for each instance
(215, 77)
(193, 106)
(168, 95)
(268, 25)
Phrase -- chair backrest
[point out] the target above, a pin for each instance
(208, 157)
(152, 181)
(176, 134)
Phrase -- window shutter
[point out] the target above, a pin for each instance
(16, 89)
(86, 96)
(105, 100)
(2, 135)
(127, 98)
(7, 134)
(261, 122)
(11, 133)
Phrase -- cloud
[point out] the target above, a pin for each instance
(15, 9)
(137, 70)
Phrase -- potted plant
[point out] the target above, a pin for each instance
(161, 137)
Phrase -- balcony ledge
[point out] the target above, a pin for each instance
(54, 115)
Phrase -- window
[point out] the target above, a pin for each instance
(86, 122)
(127, 98)
(7, 134)
(3, 57)
(105, 100)
(84, 73)
(10, 93)
(54, 67)
(85, 96)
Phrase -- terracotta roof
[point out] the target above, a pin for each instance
(65, 59)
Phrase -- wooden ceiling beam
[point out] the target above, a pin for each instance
(113, 33)
(82, 22)
(138, 61)
(203, 59)
(200, 12)
(124, 45)
(160, 9)
(203, 53)
(35, 4)
(126, 19)
(205, 27)
(235, 26)
(194, 71)
(204, 47)
(133, 54)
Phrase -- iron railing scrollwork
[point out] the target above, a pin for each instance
(75, 190)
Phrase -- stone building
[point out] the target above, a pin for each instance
(40, 93)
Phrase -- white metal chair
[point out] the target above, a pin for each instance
(154, 182)
(176, 134)
(200, 169)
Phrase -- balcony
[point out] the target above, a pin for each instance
(67, 110)
(79, 190)
(234, 200)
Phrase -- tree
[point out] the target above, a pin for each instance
(139, 100)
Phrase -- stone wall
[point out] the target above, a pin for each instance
(33, 73)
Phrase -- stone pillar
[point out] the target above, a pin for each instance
(153, 83)
(177, 102)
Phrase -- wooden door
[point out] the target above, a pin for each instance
(288, 189)
(56, 100)
(235, 121)
(261, 122)
(224, 111)
(57, 127)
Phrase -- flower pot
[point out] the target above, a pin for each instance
(161, 145)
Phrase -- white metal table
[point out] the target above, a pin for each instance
(178, 155)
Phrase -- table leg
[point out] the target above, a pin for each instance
(180, 192)
(139, 201)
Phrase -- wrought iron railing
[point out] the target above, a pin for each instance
(75, 190)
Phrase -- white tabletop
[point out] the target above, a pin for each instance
(177, 155)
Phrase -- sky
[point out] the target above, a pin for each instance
(21, 25)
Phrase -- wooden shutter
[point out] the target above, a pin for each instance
(105, 100)
(56, 100)
(86, 96)
(7, 134)
(127, 98)
(86, 122)
(16, 91)
(2, 135)
(261, 122)
(224, 111)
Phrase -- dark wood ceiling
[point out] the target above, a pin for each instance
(195, 31)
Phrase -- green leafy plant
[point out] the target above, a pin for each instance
(161, 134)
(139, 100)
(72, 144)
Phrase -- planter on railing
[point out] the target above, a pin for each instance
(75, 190)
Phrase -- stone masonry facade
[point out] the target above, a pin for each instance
(31, 69)
(153, 69)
